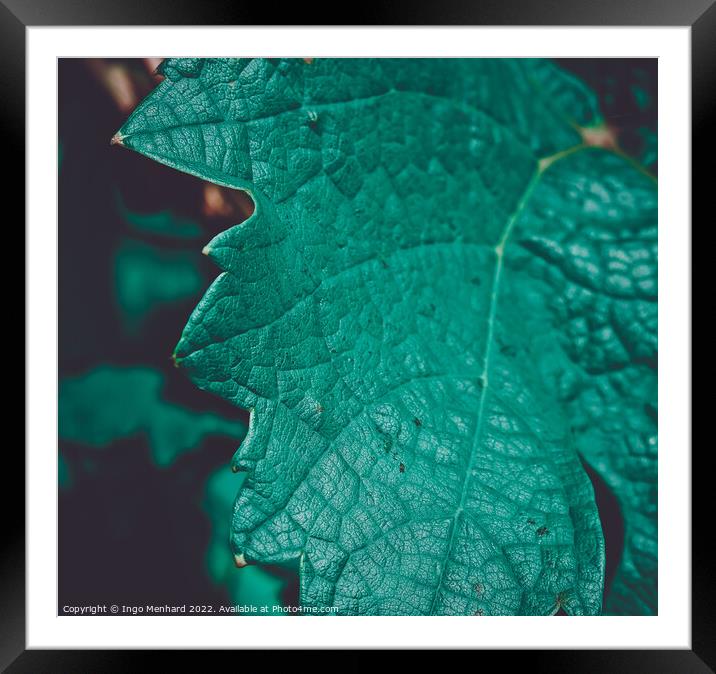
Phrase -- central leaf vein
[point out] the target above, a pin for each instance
(484, 376)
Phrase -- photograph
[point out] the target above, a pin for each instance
(357, 336)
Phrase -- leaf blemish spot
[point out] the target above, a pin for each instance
(542, 531)
(402, 467)
(417, 422)
(598, 136)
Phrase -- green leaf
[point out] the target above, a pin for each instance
(255, 586)
(407, 314)
(164, 223)
(147, 277)
(110, 403)
(594, 269)
(64, 474)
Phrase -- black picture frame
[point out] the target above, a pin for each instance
(16, 15)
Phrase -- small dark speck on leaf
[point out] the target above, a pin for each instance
(542, 531)
(402, 468)
(384, 264)
(479, 612)
(476, 281)
(508, 350)
(479, 588)
(417, 422)
(530, 521)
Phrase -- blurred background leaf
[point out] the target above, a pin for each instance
(147, 277)
(108, 404)
(162, 222)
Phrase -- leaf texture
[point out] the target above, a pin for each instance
(256, 588)
(441, 295)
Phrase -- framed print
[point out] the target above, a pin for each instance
(360, 324)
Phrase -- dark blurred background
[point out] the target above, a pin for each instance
(145, 492)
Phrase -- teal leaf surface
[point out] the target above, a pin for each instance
(442, 295)
(255, 590)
